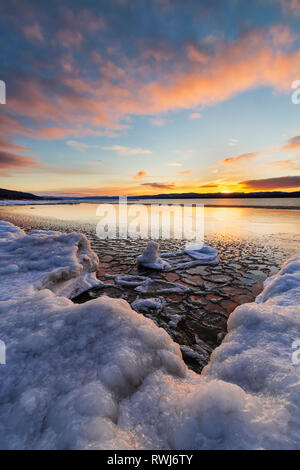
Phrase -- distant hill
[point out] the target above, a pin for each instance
(258, 194)
(7, 194)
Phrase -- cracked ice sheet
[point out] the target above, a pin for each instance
(63, 263)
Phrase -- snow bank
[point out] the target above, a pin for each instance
(99, 375)
(63, 263)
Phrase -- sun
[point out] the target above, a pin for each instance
(225, 192)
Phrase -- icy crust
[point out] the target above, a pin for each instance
(101, 376)
(63, 263)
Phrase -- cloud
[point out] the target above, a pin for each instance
(140, 174)
(121, 150)
(195, 116)
(174, 164)
(102, 95)
(12, 160)
(282, 182)
(292, 6)
(239, 158)
(160, 185)
(287, 164)
(127, 151)
(80, 146)
(33, 32)
(232, 142)
(209, 185)
(7, 144)
(292, 144)
(158, 121)
(185, 172)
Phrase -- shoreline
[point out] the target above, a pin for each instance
(127, 386)
(202, 312)
(130, 202)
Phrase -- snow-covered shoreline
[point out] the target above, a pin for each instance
(101, 376)
(35, 202)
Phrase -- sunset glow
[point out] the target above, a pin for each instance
(111, 98)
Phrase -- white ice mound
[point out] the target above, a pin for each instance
(150, 257)
(284, 284)
(192, 255)
(205, 254)
(63, 263)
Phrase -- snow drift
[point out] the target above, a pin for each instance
(101, 376)
(63, 263)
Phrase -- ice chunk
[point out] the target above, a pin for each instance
(205, 254)
(158, 286)
(150, 258)
(144, 305)
(128, 280)
(63, 263)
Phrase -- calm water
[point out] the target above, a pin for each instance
(281, 226)
(253, 202)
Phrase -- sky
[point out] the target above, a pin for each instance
(132, 97)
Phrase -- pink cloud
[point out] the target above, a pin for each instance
(33, 32)
(239, 158)
(11, 160)
(73, 105)
(140, 174)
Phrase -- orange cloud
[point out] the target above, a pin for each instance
(292, 144)
(75, 105)
(239, 158)
(287, 164)
(185, 172)
(140, 174)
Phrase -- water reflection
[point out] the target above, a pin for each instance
(226, 220)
